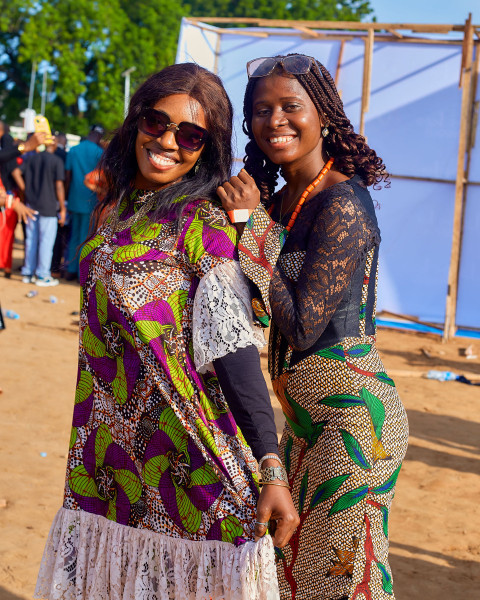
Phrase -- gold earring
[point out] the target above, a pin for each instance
(325, 131)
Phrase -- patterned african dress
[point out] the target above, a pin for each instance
(161, 488)
(346, 430)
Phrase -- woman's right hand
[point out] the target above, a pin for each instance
(275, 506)
(239, 192)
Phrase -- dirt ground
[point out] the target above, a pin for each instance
(435, 533)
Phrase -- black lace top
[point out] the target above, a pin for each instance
(313, 290)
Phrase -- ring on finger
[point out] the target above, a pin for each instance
(263, 524)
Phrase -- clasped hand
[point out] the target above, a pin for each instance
(239, 191)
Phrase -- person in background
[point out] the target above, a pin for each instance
(61, 150)
(80, 160)
(44, 176)
(63, 233)
(11, 179)
(18, 148)
(24, 213)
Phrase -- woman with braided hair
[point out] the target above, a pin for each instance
(310, 252)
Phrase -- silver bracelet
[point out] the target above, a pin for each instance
(260, 462)
(273, 473)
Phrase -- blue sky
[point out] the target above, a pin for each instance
(425, 11)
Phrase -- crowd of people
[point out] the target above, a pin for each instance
(176, 484)
(50, 183)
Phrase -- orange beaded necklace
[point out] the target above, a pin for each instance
(305, 194)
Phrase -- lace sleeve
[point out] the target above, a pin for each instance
(338, 239)
(222, 316)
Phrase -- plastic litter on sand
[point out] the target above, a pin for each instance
(11, 314)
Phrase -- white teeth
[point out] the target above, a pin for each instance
(160, 159)
(281, 140)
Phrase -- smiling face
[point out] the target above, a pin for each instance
(161, 161)
(285, 122)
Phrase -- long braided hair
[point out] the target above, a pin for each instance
(350, 150)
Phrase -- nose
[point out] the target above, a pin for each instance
(277, 118)
(168, 139)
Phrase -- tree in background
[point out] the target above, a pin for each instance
(301, 10)
(85, 45)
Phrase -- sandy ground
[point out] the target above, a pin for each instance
(435, 541)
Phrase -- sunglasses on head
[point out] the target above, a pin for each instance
(188, 135)
(296, 64)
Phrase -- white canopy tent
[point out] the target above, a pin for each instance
(414, 97)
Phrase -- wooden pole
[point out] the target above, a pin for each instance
(367, 78)
(339, 62)
(350, 25)
(218, 45)
(465, 117)
(306, 30)
(340, 35)
(395, 33)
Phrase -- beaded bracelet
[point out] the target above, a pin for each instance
(273, 456)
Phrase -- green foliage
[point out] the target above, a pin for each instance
(324, 10)
(85, 45)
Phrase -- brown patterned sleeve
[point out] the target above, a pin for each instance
(259, 249)
(339, 238)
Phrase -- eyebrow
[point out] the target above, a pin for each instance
(283, 99)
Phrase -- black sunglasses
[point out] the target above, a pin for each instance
(188, 135)
(295, 64)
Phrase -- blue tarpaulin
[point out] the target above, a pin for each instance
(413, 123)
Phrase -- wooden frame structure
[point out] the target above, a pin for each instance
(399, 32)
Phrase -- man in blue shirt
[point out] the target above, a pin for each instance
(81, 201)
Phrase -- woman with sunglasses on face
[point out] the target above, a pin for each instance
(311, 250)
(161, 497)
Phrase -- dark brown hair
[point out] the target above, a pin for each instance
(119, 163)
(350, 150)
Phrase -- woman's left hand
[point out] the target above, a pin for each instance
(275, 507)
(239, 192)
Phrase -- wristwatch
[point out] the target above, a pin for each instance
(21, 147)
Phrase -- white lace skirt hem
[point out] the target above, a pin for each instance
(223, 316)
(90, 557)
